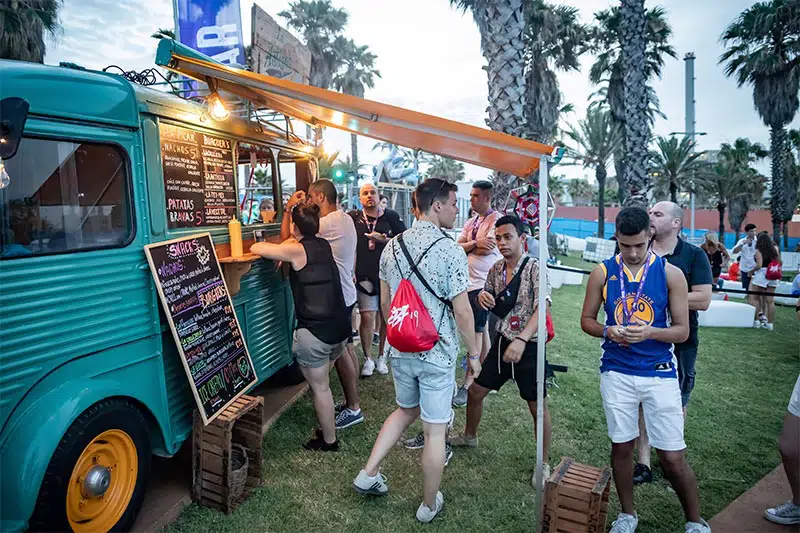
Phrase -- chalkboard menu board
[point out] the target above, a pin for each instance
(199, 184)
(200, 314)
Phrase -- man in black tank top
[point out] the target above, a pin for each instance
(323, 324)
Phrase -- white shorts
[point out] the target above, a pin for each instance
(760, 279)
(661, 402)
(794, 402)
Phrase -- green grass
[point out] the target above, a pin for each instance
(744, 379)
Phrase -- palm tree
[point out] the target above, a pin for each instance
(763, 52)
(501, 24)
(607, 70)
(596, 139)
(23, 25)
(557, 186)
(580, 191)
(320, 23)
(554, 40)
(446, 169)
(732, 182)
(675, 162)
(359, 72)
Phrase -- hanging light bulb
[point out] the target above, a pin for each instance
(216, 108)
(5, 179)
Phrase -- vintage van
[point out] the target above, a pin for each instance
(91, 384)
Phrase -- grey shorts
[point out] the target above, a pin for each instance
(366, 302)
(423, 384)
(311, 352)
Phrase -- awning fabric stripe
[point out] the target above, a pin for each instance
(470, 144)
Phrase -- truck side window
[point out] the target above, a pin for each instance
(65, 196)
(256, 184)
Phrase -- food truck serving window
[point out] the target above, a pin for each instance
(65, 196)
(199, 181)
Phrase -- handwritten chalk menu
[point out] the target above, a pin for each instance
(200, 314)
(199, 183)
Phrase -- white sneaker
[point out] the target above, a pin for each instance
(757, 324)
(695, 527)
(368, 368)
(370, 485)
(786, 513)
(381, 366)
(625, 523)
(769, 326)
(425, 515)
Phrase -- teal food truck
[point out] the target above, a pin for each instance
(93, 168)
(91, 385)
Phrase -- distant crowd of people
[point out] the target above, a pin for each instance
(425, 290)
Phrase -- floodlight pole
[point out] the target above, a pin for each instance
(689, 126)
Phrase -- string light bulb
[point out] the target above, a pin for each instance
(216, 108)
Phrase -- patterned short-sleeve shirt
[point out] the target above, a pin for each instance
(527, 299)
(445, 269)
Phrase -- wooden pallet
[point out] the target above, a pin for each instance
(239, 424)
(576, 498)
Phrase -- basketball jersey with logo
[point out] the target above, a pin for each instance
(649, 358)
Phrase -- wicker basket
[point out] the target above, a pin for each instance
(239, 465)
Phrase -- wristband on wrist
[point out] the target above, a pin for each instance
(605, 332)
(518, 338)
(474, 357)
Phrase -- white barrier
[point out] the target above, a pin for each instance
(791, 261)
(785, 287)
(727, 315)
(598, 250)
(737, 285)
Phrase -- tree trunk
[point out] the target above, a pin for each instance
(354, 149)
(633, 33)
(721, 209)
(673, 192)
(502, 28)
(777, 139)
(619, 168)
(600, 175)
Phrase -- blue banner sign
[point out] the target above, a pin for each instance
(212, 27)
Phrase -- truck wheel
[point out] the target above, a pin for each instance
(97, 477)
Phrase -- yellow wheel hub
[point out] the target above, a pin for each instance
(102, 482)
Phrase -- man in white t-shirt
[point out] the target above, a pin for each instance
(477, 240)
(746, 247)
(337, 228)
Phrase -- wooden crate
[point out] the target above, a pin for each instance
(239, 424)
(576, 498)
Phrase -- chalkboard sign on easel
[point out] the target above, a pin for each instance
(200, 313)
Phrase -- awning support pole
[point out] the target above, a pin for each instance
(541, 337)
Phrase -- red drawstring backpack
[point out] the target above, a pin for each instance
(774, 271)
(409, 327)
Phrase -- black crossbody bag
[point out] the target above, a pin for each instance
(505, 301)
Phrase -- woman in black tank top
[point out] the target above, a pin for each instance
(323, 323)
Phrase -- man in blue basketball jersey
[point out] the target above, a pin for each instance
(645, 302)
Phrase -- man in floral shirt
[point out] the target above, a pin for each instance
(513, 352)
(424, 382)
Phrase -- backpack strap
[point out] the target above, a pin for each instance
(416, 271)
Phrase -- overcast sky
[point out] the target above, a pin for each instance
(430, 60)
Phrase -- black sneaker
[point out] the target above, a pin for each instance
(318, 444)
(642, 474)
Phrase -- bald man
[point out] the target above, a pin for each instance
(666, 222)
(374, 228)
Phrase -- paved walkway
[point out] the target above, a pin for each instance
(746, 513)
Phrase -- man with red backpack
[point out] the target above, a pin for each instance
(423, 280)
(511, 293)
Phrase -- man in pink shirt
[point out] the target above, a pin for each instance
(477, 240)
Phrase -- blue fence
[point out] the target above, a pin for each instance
(588, 228)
